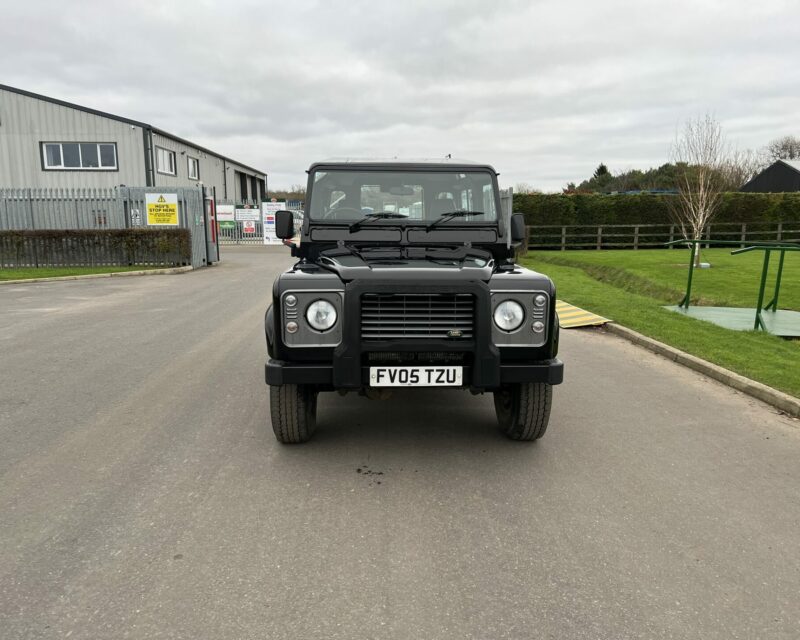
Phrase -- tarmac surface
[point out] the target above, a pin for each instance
(142, 494)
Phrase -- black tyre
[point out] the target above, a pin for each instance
(293, 409)
(523, 410)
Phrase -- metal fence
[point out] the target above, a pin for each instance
(61, 209)
(236, 231)
(112, 208)
(94, 247)
(646, 236)
(233, 231)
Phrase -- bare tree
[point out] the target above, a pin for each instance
(785, 148)
(525, 188)
(700, 154)
(740, 167)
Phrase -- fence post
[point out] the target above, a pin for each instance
(744, 233)
(671, 235)
(563, 238)
(599, 237)
(708, 235)
(780, 231)
(636, 237)
(30, 208)
(33, 226)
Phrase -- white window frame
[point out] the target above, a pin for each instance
(196, 161)
(60, 167)
(173, 162)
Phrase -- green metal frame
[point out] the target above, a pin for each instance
(773, 304)
(766, 247)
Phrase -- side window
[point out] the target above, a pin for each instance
(193, 166)
(93, 156)
(488, 202)
(165, 161)
(371, 200)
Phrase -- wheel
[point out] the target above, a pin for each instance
(523, 410)
(293, 409)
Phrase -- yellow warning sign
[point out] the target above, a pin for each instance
(162, 209)
(570, 317)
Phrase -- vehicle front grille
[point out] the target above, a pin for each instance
(420, 316)
(417, 357)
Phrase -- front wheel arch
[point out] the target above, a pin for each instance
(269, 330)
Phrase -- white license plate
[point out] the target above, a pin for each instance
(415, 376)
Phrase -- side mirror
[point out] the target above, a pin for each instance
(517, 227)
(284, 225)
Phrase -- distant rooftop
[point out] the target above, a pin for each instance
(794, 164)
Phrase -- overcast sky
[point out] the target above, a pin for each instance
(544, 91)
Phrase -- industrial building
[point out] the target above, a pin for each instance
(50, 143)
(779, 177)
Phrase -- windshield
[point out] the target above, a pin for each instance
(417, 196)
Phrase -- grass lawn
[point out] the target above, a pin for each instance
(53, 272)
(630, 287)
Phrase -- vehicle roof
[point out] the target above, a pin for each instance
(401, 163)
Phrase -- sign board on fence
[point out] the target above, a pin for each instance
(225, 212)
(248, 226)
(247, 212)
(268, 210)
(227, 224)
(162, 209)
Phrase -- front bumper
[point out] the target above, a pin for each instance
(278, 373)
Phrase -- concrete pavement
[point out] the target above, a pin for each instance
(142, 494)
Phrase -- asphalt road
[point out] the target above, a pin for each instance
(142, 494)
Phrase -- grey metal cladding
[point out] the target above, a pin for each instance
(26, 122)
(28, 119)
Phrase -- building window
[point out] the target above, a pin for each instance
(79, 156)
(194, 168)
(165, 162)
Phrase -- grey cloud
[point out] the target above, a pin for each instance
(543, 90)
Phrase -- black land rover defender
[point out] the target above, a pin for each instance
(406, 278)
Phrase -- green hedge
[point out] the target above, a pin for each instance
(95, 247)
(595, 209)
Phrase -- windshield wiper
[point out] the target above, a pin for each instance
(380, 215)
(452, 214)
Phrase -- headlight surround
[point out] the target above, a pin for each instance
(509, 315)
(321, 315)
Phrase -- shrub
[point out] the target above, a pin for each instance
(94, 247)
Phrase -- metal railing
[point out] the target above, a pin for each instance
(648, 236)
(81, 209)
(772, 304)
(767, 248)
(61, 209)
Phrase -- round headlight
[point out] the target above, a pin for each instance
(509, 315)
(321, 315)
(539, 300)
